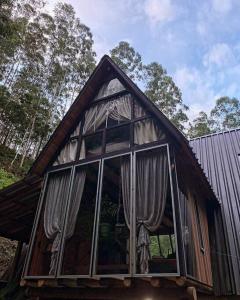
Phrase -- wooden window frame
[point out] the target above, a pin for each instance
(199, 225)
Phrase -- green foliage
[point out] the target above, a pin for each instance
(159, 87)
(165, 244)
(6, 178)
(6, 157)
(45, 61)
(128, 60)
(200, 126)
(225, 115)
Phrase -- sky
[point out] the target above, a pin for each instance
(196, 41)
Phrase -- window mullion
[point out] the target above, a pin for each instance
(96, 220)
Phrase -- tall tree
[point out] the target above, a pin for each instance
(128, 59)
(200, 126)
(44, 63)
(162, 90)
(159, 87)
(226, 113)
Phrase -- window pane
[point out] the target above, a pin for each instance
(146, 131)
(188, 234)
(155, 241)
(139, 111)
(68, 153)
(79, 225)
(42, 255)
(118, 138)
(113, 234)
(91, 145)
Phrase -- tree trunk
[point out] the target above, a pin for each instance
(28, 142)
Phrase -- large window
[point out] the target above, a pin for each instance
(47, 240)
(110, 210)
(113, 244)
(78, 235)
(111, 125)
(155, 227)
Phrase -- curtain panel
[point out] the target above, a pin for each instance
(152, 178)
(54, 212)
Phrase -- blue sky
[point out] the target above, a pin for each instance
(198, 42)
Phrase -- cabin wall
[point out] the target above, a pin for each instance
(203, 258)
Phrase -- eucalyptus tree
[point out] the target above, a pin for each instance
(159, 87)
(201, 125)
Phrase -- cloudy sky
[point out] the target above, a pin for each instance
(198, 42)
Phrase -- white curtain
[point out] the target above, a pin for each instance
(54, 212)
(151, 193)
(119, 109)
(68, 153)
(146, 131)
(76, 196)
(109, 88)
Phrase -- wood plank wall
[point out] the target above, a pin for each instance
(203, 259)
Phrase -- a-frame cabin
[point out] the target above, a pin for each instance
(124, 209)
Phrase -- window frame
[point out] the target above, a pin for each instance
(134, 229)
(37, 220)
(199, 225)
(132, 153)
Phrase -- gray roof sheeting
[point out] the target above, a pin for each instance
(219, 155)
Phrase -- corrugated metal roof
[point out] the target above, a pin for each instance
(219, 155)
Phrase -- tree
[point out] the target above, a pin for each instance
(128, 60)
(226, 113)
(45, 61)
(159, 87)
(201, 125)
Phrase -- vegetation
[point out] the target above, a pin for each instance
(159, 87)
(225, 115)
(45, 61)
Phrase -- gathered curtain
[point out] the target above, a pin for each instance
(119, 109)
(152, 177)
(75, 201)
(151, 194)
(54, 212)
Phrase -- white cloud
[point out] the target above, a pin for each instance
(222, 6)
(159, 11)
(197, 90)
(219, 55)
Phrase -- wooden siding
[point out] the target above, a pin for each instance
(203, 258)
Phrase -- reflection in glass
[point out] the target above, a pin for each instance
(118, 138)
(113, 235)
(80, 221)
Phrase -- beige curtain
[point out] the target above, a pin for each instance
(146, 131)
(151, 193)
(68, 153)
(109, 88)
(54, 212)
(119, 109)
